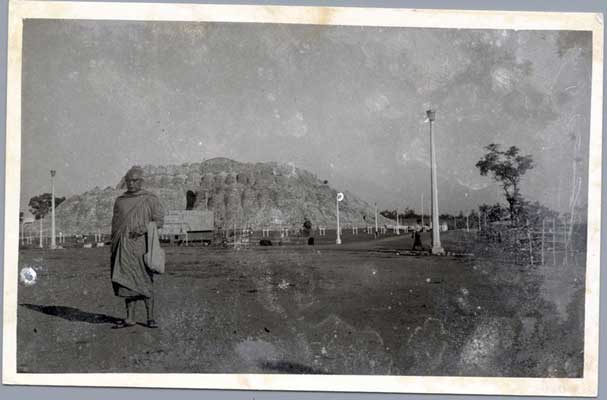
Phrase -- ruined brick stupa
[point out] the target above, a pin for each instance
(246, 194)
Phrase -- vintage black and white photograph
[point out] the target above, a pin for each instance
(220, 197)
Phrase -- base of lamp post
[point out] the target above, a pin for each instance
(338, 241)
(437, 250)
(53, 247)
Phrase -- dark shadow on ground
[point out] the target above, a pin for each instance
(288, 367)
(73, 314)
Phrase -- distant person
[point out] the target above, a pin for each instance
(131, 279)
(307, 226)
(307, 231)
(417, 237)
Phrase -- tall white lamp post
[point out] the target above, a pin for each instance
(397, 223)
(340, 197)
(436, 245)
(53, 240)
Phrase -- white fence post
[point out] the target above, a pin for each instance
(554, 241)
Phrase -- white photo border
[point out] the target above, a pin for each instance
(20, 10)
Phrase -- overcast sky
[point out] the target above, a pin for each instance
(347, 103)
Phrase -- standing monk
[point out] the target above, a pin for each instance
(131, 278)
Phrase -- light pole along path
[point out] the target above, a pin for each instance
(53, 240)
(338, 198)
(436, 244)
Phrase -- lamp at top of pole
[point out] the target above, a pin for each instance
(53, 172)
(340, 196)
(431, 114)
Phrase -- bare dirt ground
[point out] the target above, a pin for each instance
(359, 308)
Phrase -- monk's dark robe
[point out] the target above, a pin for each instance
(132, 213)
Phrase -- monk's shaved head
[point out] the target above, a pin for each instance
(134, 172)
(134, 179)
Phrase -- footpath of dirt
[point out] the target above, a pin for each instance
(350, 309)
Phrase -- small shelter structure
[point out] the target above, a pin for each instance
(188, 226)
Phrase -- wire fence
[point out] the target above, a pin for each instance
(547, 243)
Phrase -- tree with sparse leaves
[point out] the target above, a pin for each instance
(390, 214)
(407, 213)
(41, 205)
(506, 167)
(496, 212)
(410, 213)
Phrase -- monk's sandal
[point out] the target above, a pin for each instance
(124, 324)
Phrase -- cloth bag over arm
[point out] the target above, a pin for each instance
(154, 258)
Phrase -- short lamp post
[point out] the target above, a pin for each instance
(340, 197)
(53, 240)
(397, 222)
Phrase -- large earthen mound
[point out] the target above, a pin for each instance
(259, 195)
